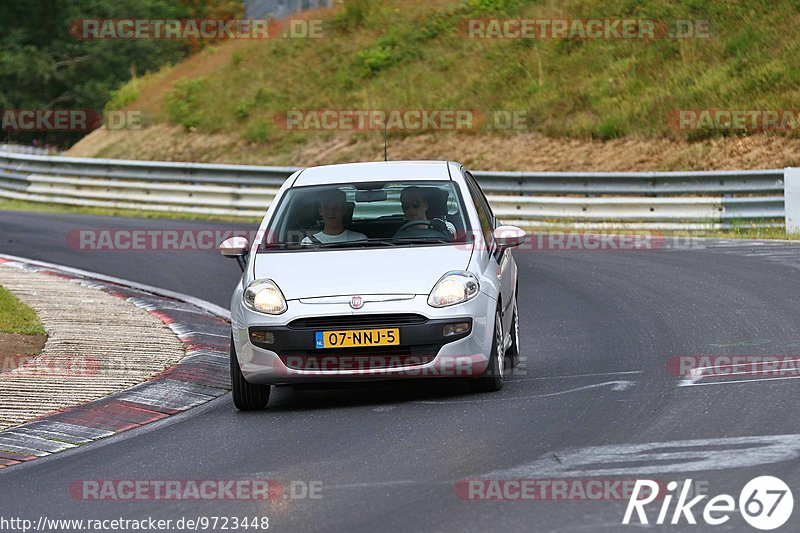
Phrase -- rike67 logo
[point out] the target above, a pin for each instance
(766, 503)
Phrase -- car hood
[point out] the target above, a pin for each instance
(401, 270)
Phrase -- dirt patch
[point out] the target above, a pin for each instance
(521, 152)
(17, 349)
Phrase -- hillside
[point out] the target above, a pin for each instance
(588, 103)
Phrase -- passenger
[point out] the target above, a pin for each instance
(332, 206)
(415, 207)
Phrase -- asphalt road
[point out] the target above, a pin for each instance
(594, 400)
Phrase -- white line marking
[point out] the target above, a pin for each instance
(202, 304)
(182, 335)
(645, 459)
(750, 363)
(735, 381)
(696, 374)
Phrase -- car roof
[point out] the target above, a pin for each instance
(374, 171)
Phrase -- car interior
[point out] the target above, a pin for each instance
(369, 218)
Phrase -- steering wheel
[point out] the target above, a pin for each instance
(413, 223)
(438, 225)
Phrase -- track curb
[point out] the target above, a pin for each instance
(199, 377)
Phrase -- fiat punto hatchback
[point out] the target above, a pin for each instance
(372, 271)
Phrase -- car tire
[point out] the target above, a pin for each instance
(512, 354)
(492, 378)
(246, 396)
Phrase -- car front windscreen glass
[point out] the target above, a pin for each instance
(376, 214)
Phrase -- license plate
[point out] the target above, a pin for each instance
(353, 338)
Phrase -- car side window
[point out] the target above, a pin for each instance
(484, 202)
(485, 214)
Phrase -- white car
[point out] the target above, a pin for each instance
(371, 271)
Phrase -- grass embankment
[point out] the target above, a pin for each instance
(22, 336)
(16, 317)
(412, 54)
(41, 207)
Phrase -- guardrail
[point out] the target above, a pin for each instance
(259, 9)
(636, 200)
(25, 149)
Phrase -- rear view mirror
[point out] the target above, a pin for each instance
(509, 237)
(371, 196)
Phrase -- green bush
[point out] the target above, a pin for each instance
(378, 57)
(124, 96)
(182, 102)
(257, 131)
(609, 129)
(242, 109)
(353, 15)
(493, 7)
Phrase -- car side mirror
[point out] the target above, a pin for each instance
(237, 248)
(508, 237)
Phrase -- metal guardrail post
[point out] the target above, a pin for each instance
(791, 180)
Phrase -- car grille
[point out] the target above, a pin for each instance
(376, 357)
(358, 321)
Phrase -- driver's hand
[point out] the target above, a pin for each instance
(441, 226)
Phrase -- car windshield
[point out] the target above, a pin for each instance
(360, 215)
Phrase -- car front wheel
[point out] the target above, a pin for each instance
(513, 350)
(492, 378)
(246, 396)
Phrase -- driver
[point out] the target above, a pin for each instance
(415, 207)
(332, 206)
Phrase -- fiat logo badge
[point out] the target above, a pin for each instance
(356, 302)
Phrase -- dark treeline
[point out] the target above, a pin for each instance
(43, 66)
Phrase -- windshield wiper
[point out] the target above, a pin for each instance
(358, 243)
(421, 240)
(276, 245)
(361, 243)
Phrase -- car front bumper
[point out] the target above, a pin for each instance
(423, 351)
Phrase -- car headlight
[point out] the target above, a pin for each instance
(454, 288)
(263, 296)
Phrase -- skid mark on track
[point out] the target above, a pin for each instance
(786, 253)
(572, 376)
(618, 385)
